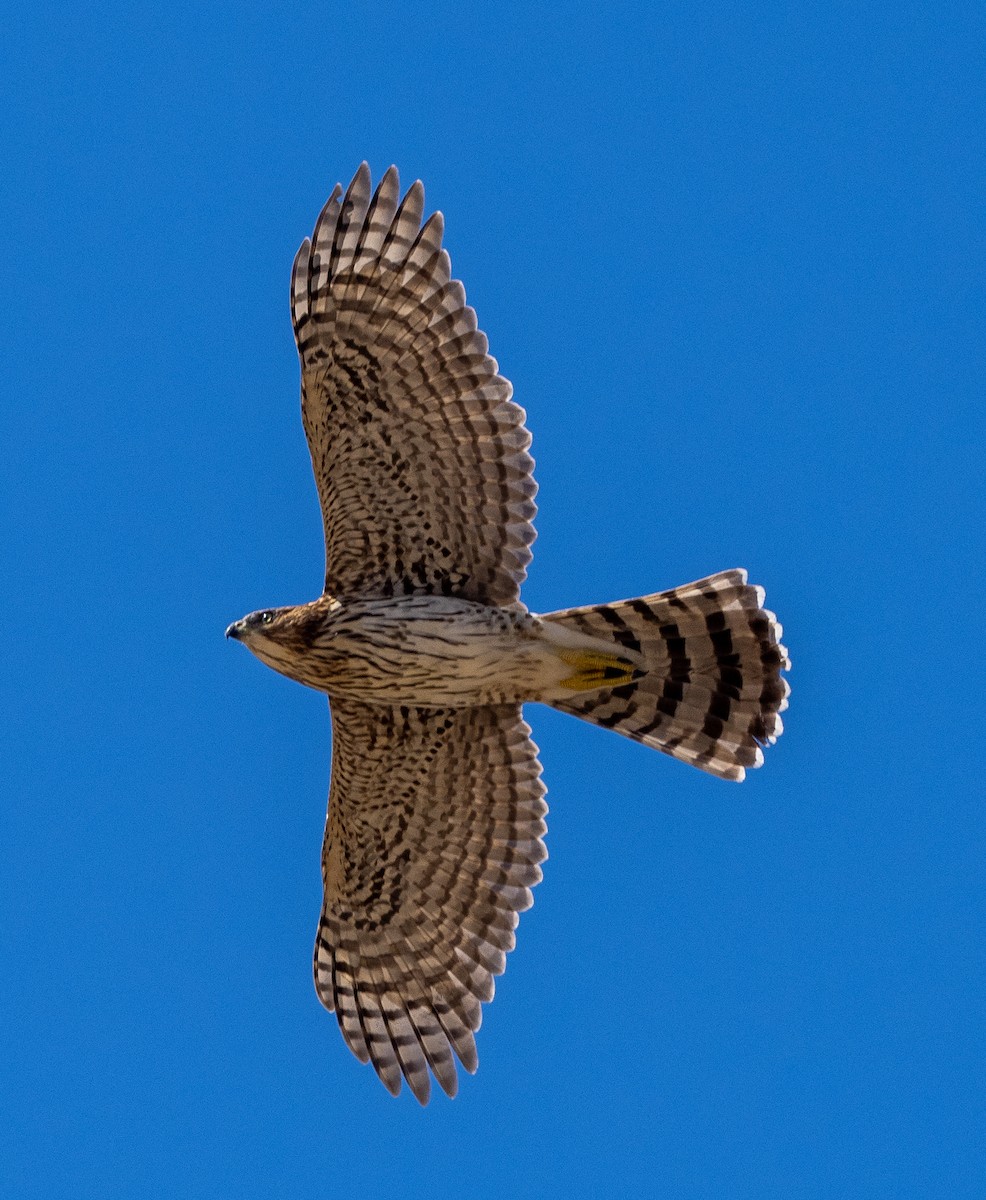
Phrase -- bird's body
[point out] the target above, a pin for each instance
(436, 811)
(430, 651)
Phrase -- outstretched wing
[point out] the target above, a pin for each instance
(420, 457)
(432, 845)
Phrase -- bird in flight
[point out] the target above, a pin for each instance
(435, 823)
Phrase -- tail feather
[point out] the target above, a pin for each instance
(712, 690)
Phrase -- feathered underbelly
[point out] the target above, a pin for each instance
(441, 652)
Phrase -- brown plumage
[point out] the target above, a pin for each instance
(436, 812)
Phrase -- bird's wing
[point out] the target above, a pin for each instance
(432, 845)
(420, 456)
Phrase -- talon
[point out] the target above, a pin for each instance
(593, 669)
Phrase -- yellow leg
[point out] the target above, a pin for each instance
(593, 669)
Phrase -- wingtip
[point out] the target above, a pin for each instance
(449, 1083)
(362, 176)
(328, 213)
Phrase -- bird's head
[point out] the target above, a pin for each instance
(283, 638)
(257, 625)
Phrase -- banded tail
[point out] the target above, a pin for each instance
(711, 691)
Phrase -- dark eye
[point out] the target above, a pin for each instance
(266, 618)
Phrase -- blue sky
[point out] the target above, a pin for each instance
(731, 257)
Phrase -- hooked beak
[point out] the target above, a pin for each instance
(235, 630)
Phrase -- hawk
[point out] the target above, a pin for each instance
(434, 834)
